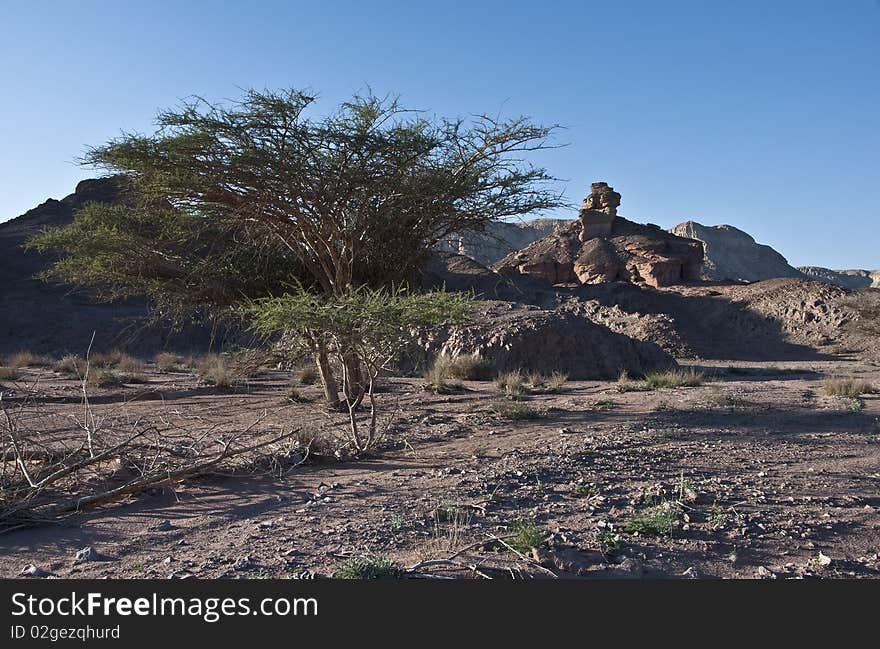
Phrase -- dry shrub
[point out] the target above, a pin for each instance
(104, 377)
(22, 359)
(469, 367)
(72, 366)
(438, 376)
(216, 370)
(847, 387)
(512, 384)
(105, 359)
(9, 373)
(168, 362)
(129, 365)
(552, 382)
(674, 379)
(307, 375)
(249, 363)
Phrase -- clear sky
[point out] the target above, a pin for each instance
(763, 115)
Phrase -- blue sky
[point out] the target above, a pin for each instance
(763, 115)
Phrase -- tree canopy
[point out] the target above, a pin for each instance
(358, 197)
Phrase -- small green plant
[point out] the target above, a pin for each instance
(398, 522)
(604, 404)
(526, 536)
(717, 518)
(674, 379)
(585, 490)
(608, 540)
(514, 410)
(369, 568)
(656, 521)
(168, 362)
(847, 387)
(854, 404)
(512, 384)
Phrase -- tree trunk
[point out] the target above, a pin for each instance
(352, 384)
(325, 373)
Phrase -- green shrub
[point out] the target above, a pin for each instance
(514, 410)
(369, 568)
(674, 379)
(526, 536)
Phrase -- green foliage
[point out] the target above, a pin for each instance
(514, 410)
(224, 201)
(359, 316)
(674, 379)
(526, 536)
(369, 568)
(656, 521)
(364, 328)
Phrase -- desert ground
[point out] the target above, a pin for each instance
(756, 472)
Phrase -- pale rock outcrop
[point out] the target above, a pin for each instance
(733, 255)
(851, 279)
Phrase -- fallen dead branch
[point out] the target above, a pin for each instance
(48, 472)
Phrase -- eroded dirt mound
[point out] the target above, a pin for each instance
(519, 337)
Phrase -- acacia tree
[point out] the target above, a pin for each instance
(357, 198)
(368, 325)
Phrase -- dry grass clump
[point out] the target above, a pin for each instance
(249, 363)
(168, 362)
(104, 377)
(72, 366)
(216, 370)
(512, 384)
(847, 387)
(9, 373)
(674, 379)
(307, 375)
(22, 359)
(469, 367)
(551, 383)
(514, 410)
(438, 376)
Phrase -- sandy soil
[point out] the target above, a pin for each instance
(764, 476)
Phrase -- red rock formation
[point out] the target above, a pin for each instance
(603, 247)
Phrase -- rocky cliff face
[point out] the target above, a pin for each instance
(53, 319)
(603, 247)
(851, 279)
(500, 239)
(732, 255)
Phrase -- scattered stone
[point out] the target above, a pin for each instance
(764, 573)
(162, 526)
(86, 554)
(824, 560)
(34, 571)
